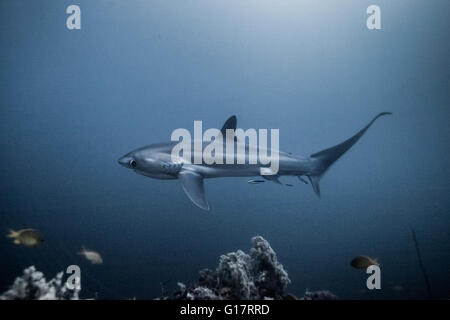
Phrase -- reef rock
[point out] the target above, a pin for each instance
(256, 275)
(269, 275)
(32, 285)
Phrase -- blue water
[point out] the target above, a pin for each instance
(73, 102)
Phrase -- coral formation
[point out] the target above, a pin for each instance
(239, 275)
(252, 276)
(256, 275)
(32, 285)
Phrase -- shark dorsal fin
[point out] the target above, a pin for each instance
(230, 124)
(192, 184)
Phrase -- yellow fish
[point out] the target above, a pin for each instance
(26, 237)
(363, 262)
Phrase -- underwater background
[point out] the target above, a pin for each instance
(73, 102)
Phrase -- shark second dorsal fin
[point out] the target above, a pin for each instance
(192, 184)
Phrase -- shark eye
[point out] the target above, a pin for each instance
(133, 163)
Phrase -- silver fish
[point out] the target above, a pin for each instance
(93, 256)
(26, 237)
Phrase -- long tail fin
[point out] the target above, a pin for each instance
(324, 159)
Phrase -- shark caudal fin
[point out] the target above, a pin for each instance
(323, 160)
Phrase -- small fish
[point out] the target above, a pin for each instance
(288, 185)
(363, 262)
(93, 256)
(26, 237)
(252, 181)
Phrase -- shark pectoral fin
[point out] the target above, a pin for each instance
(192, 184)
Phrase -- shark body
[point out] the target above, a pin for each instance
(155, 161)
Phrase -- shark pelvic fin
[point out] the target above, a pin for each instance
(274, 178)
(267, 174)
(192, 184)
(302, 180)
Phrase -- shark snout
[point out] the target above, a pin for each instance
(127, 162)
